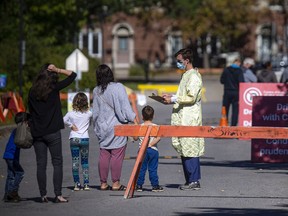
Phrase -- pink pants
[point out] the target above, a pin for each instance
(112, 158)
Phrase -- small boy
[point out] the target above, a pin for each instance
(151, 157)
(15, 172)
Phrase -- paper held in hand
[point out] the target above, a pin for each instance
(158, 98)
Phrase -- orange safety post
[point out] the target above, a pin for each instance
(135, 172)
(223, 119)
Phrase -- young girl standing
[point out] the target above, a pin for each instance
(79, 121)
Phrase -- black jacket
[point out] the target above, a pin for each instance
(231, 77)
(47, 116)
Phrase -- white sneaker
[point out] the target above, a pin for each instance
(77, 187)
(86, 187)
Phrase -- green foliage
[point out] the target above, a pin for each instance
(51, 27)
(50, 30)
(55, 22)
(229, 20)
(136, 70)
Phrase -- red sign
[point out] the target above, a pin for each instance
(270, 111)
(249, 90)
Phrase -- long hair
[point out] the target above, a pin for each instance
(104, 76)
(44, 83)
(80, 102)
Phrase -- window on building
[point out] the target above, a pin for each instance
(176, 42)
(92, 41)
(123, 43)
(266, 33)
(176, 45)
(95, 46)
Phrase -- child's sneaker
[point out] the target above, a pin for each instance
(157, 188)
(86, 187)
(13, 197)
(139, 188)
(77, 187)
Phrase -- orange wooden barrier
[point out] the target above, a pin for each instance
(204, 131)
(135, 172)
(190, 131)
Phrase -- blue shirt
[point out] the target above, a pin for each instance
(11, 150)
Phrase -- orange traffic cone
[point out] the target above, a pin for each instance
(223, 120)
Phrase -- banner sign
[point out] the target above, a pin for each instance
(249, 90)
(3, 80)
(270, 111)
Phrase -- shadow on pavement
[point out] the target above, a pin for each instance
(240, 164)
(233, 211)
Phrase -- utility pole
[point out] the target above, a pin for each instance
(102, 17)
(21, 47)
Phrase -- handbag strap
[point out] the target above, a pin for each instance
(105, 101)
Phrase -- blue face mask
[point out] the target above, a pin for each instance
(181, 66)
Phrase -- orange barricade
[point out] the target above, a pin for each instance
(10, 104)
(190, 131)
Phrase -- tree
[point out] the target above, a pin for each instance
(50, 32)
(230, 21)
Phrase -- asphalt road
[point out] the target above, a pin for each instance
(231, 184)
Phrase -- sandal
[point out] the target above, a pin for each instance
(121, 188)
(60, 199)
(108, 187)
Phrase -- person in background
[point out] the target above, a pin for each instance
(47, 120)
(266, 75)
(150, 161)
(110, 107)
(15, 172)
(249, 76)
(187, 111)
(231, 77)
(79, 121)
(284, 76)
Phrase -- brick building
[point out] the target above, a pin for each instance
(122, 41)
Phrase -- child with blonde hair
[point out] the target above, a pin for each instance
(79, 121)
